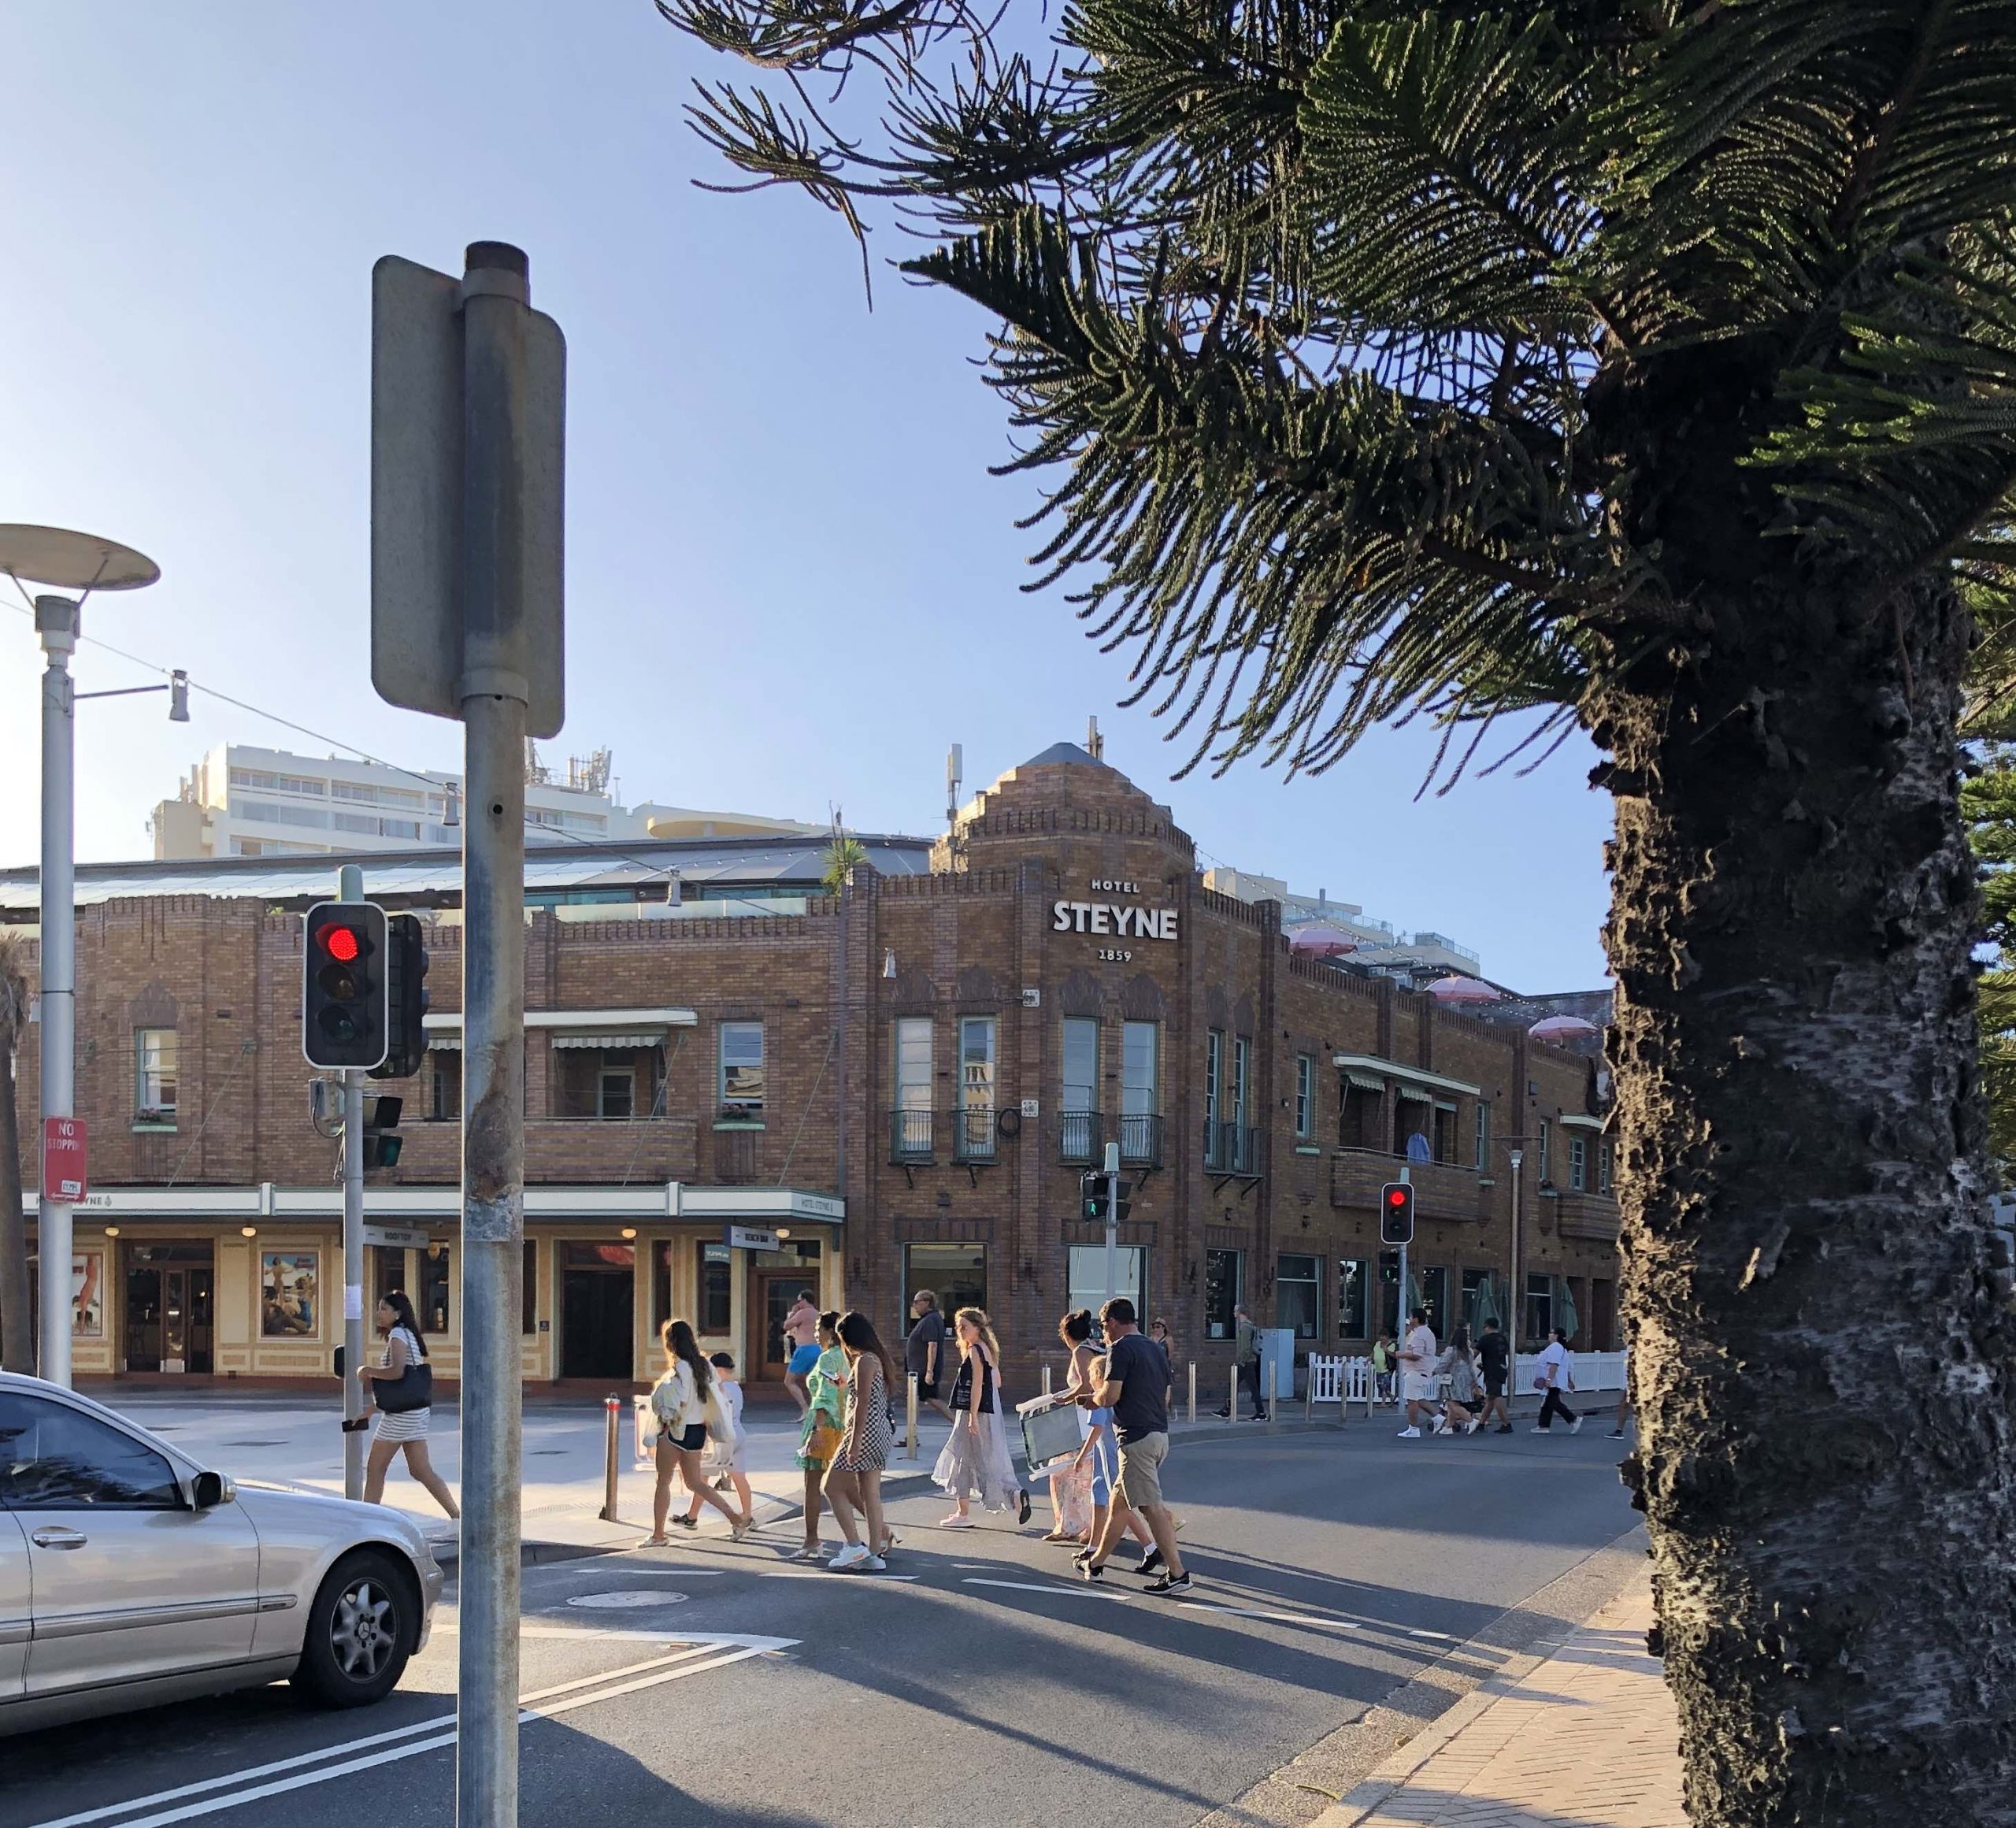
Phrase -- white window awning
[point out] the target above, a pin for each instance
(1364, 1081)
(1371, 1063)
(577, 1028)
(1576, 1120)
(1415, 1094)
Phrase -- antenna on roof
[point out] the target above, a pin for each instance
(955, 773)
(1095, 742)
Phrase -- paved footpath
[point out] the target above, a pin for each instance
(1518, 1751)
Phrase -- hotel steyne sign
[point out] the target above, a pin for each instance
(1112, 917)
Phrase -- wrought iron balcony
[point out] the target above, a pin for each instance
(1141, 1138)
(912, 1135)
(916, 1137)
(1231, 1149)
(1081, 1136)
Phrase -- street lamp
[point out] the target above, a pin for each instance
(81, 562)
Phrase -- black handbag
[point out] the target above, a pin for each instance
(413, 1388)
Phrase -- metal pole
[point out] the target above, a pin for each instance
(1193, 1392)
(56, 619)
(494, 698)
(1113, 1225)
(909, 1418)
(349, 887)
(1400, 1332)
(1514, 1302)
(612, 1408)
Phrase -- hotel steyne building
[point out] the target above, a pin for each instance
(900, 1086)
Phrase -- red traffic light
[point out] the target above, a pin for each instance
(341, 943)
(1396, 1197)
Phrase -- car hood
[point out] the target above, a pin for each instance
(281, 1504)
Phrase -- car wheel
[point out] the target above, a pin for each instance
(361, 1630)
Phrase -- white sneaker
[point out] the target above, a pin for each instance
(1410, 1434)
(874, 1565)
(1537, 1429)
(1575, 1427)
(1443, 1428)
(853, 1555)
(1473, 1425)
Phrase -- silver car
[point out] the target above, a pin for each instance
(129, 1575)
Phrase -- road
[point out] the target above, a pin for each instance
(1345, 1579)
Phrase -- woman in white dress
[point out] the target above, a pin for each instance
(976, 1462)
(400, 1428)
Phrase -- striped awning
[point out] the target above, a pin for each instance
(1419, 1095)
(1364, 1081)
(592, 1040)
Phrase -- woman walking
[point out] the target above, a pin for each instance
(1460, 1368)
(819, 1433)
(387, 1384)
(679, 1401)
(854, 1484)
(975, 1463)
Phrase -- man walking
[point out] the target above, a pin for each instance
(1132, 1381)
(1557, 1370)
(1417, 1356)
(802, 1335)
(1246, 1355)
(924, 1349)
(1495, 1358)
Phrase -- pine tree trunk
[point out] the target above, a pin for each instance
(1820, 1330)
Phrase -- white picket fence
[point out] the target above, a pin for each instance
(1346, 1381)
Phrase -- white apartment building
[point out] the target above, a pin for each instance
(241, 801)
(1381, 949)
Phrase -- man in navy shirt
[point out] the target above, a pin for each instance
(1132, 1381)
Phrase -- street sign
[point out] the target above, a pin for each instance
(397, 1237)
(417, 652)
(748, 1237)
(64, 1178)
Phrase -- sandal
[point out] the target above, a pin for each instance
(656, 1542)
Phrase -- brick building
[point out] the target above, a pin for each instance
(903, 1083)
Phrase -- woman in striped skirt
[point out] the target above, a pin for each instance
(400, 1428)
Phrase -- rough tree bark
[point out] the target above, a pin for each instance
(1821, 1336)
(16, 1349)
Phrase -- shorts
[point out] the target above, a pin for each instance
(1494, 1384)
(691, 1441)
(1419, 1386)
(1140, 1481)
(803, 1359)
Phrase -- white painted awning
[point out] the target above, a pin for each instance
(1371, 1063)
(1364, 1081)
(660, 1199)
(1577, 1120)
(577, 1028)
(1415, 1094)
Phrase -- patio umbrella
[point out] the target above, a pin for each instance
(1319, 939)
(1562, 1028)
(1458, 991)
(1484, 1303)
(1565, 1308)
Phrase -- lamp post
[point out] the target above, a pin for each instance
(1515, 1303)
(68, 562)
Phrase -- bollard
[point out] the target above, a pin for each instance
(1309, 1392)
(1193, 1392)
(613, 1407)
(1045, 1380)
(1231, 1401)
(909, 1418)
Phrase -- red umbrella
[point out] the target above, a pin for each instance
(1562, 1028)
(1319, 939)
(1460, 990)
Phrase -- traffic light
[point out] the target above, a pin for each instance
(343, 987)
(381, 1140)
(1397, 1213)
(405, 999)
(1092, 1198)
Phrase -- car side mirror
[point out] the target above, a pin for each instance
(206, 1491)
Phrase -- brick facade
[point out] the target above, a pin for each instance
(1064, 896)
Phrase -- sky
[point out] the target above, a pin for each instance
(791, 581)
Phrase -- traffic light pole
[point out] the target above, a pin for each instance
(56, 621)
(495, 696)
(350, 887)
(1112, 1221)
(1400, 1332)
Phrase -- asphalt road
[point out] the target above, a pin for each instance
(1340, 1579)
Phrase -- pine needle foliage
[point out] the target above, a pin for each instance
(1334, 327)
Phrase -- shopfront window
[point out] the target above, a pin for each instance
(1352, 1296)
(955, 1274)
(1087, 1277)
(1224, 1288)
(1435, 1298)
(432, 1300)
(1540, 1309)
(714, 1275)
(1298, 1290)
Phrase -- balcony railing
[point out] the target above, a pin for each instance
(1141, 1138)
(1081, 1136)
(1231, 1149)
(916, 1137)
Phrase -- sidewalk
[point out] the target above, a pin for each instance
(1587, 1738)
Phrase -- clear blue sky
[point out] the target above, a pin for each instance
(791, 581)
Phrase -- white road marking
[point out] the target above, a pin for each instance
(1440, 1637)
(1088, 1588)
(564, 1698)
(624, 1598)
(1261, 1612)
(861, 1580)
